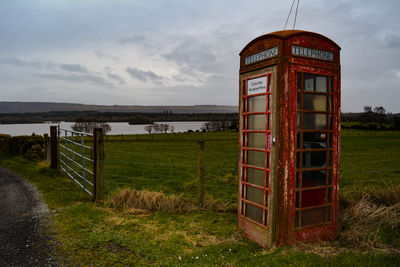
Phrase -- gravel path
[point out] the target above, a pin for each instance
(24, 240)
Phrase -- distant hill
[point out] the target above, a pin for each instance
(36, 107)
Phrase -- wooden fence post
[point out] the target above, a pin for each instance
(98, 164)
(53, 147)
(202, 173)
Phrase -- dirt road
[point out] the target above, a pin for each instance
(24, 238)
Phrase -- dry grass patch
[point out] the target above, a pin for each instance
(157, 201)
(362, 222)
(152, 201)
(370, 223)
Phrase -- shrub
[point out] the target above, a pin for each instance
(88, 126)
(30, 147)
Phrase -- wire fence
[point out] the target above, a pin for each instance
(171, 167)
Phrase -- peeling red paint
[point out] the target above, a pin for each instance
(286, 70)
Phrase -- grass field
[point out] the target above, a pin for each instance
(369, 161)
(94, 234)
(168, 163)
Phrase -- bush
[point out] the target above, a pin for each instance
(30, 147)
(4, 144)
(88, 126)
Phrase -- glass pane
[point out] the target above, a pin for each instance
(311, 198)
(313, 121)
(299, 81)
(255, 177)
(298, 140)
(314, 216)
(322, 85)
(256, 140)
(329, 177)
(256, 158)
(314, 140)
(298, 101)
(269, 83)
(255, 195)
(309, 82)
(257, 104)
(298, 179)
(312, 145)
(314, 178)
(314, 102)
(298, 121)
(269, 102)
(329, 211)
(329, 195)
(297, 220)
(298, 161)
(256, 122)
(254, 213)
(314, 159)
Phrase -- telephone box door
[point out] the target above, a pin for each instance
(257, 181)
(315, 92)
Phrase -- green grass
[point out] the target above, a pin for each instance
(95, 234)
(369, 161)
(168, 163)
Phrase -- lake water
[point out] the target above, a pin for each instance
(116, 127)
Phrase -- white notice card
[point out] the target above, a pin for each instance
(257, 85)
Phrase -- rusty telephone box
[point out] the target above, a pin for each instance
(289, 138)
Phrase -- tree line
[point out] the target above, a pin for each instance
(372, 119)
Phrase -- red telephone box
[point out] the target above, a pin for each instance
(289, 138)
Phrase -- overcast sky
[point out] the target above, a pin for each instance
(179, 52)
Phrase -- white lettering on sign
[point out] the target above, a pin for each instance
(257, 85)
(272, 52)
(313, 53)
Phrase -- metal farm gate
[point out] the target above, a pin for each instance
(80, 156)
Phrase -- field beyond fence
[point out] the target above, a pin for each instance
(168, 162)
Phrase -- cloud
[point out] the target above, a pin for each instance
(73, 68)
(62, 72)
(49, 65)
(133, 39)
(77, 78)
(101, 55)
(193, 55)
(145, 76)
(14, 61)
(116, 78)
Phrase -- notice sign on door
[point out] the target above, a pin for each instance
(257, 85)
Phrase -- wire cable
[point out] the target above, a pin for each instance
(295, 17)
(289, 15)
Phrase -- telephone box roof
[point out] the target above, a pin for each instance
(283, 35)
